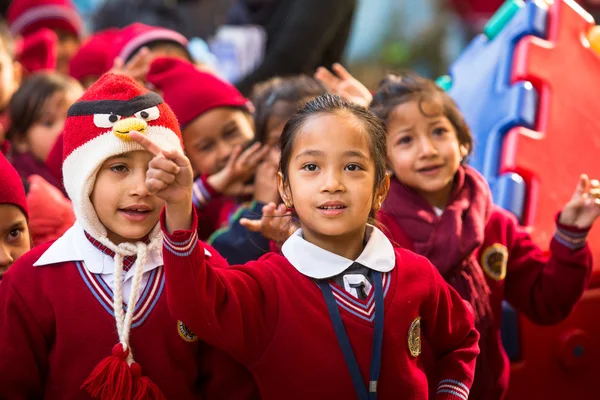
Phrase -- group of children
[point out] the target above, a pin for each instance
(164, 237)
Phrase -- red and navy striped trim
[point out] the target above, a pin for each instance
(455, 388)
(145, 304)
(181, 249)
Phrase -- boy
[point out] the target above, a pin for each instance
(60, 301)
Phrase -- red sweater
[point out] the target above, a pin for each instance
(274, 320)
(542, 287)
(54, 331)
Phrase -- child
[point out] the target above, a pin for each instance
(10, 79)
(59, 302)
(443, 210)
(61, 16)
(276, 100)
(94, 57)
(216, 123)
(14, 231)
(37, 112)
(309, 322)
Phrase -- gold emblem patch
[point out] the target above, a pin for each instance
(414, 337)
(494, 261)
(185, 332)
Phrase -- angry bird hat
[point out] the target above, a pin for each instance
(98, 127)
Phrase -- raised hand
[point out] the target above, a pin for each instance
(275, 224)
(231, 180)
(169, 177)
(344, 85)
(584, 207)
(137, 68)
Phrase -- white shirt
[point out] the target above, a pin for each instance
(75, 246)
(318, 263)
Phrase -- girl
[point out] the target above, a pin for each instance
(38, 111)
(243, 240)
(14, 231)
(443, 210)
(309, 322)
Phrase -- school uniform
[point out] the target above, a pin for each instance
(271, 315)
(544, 287)
(58, 323)
(213, 208)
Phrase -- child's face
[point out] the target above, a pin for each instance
(423, 150)
(331, 177)
(210, 139)
(14, 236)
(121, 199)
(10, 77)
(68, 44)
(42, 134)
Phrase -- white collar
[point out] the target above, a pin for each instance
(75, 246)
(318, 263)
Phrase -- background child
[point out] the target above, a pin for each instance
(38, 111)
(276, 101)
(10, 78)
(270, 314)
(217, 125)
(28, 16)
(443, 210)
(14, 231)
(94, 57)
(109, 258)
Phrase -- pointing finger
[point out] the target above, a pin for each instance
(146, 143)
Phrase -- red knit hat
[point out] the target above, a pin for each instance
(97, 127)
(137, 35)
(94, 57)
(191, 92)
(27, 16)
(11, 189)
(37, 51)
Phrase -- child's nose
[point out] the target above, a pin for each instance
(6, 258)
(333, 182)
(427, 147)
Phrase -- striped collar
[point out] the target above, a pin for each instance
(317, 263)
(74, 246)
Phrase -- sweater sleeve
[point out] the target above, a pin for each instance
(232, 308)
(208, 203)
(236, 243)
(546, 287)
(23, 346)
(449, 329)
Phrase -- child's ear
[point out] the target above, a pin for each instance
(284, 191)
(464, 151)
(381, 193)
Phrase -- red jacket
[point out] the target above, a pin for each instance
(543, 287)
(274, 320)
(54, 331)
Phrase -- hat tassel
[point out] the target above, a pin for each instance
(112, 377)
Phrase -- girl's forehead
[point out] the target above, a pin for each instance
(420, 107)
(330, 132)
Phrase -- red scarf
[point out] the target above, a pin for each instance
(451, 240)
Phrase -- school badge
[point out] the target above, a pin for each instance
(185, 332)
(494, 261)
(414, 337)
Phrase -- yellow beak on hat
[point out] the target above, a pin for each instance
(122, 128)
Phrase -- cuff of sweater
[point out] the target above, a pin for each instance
(180, 243)
(450, 389)
(203, 192)
(570, 236)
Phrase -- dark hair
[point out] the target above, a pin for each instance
(399, 89)
(163, 44)
(294, 90)
(332, 104)
(7, 39)
(25, 107)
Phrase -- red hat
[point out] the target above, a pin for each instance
(27, 16)
(137, 35)
(191, 92)
(94, 57)
(11, 190)
(38, 51)
(97, 127)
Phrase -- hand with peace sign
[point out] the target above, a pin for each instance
(584, 207)
(344, 85)
(169, 177)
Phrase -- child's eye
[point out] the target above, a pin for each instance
(15, 234)
(118, 168)
(310, 167)
(404, 140)
(439, 131)
(353, 167)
